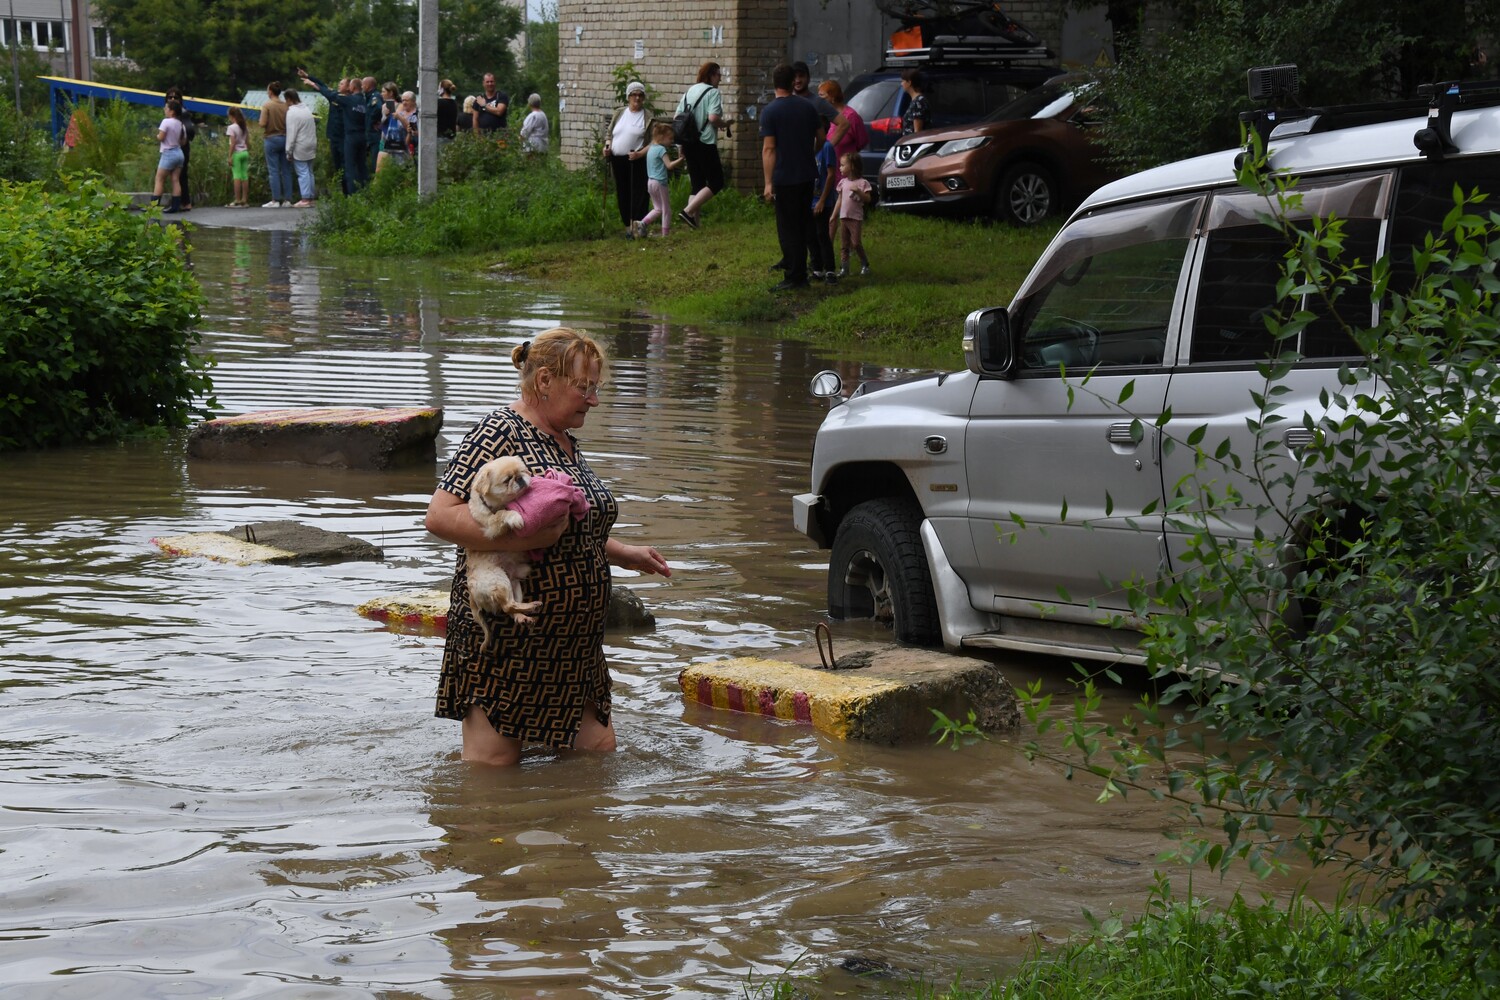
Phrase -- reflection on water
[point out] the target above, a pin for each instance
(219, 781)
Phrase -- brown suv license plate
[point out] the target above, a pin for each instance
(900, 181)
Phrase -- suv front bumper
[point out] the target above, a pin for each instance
(805, 517)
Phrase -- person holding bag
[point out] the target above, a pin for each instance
(705, 171)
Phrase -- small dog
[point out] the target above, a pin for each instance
(494, 578)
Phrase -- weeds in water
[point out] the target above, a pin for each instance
(956, 734)
(782, 986)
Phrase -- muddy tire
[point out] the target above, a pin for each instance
(1026, 194)
(878, 570)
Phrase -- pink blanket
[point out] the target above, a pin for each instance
(548, 497)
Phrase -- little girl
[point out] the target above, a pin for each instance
(657, 166)
(849, 216)
(239, 158)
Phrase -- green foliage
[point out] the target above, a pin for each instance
(1351, 692)
(1176, 94)
(380, 39)
(539, 74)
(27, 65)
(98, 318)
(1183, 950)
(956, 734)
(214, 48)
(117, 140)
(508, 200)
(25, 147)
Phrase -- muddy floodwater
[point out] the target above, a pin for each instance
(219, 781)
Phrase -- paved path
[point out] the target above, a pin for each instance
(267, 219)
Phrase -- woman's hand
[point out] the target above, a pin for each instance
(641, 558)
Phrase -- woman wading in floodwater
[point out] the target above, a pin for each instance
(545, 682)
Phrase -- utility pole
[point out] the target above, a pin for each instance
(427, 95)
(15, 57)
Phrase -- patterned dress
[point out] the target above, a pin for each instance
(532, 680)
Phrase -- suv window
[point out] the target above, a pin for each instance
(1242, 264)
(959, 96)
(1424, 197)
(877, 101)
(1106, 295)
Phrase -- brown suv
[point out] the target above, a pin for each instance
(1032, 158)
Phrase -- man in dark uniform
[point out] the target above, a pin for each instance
(353, 108)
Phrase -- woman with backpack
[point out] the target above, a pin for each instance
(705, 108)
(392, 127)
(847, 132)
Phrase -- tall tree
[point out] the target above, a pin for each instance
(214, 48)
(379, 38)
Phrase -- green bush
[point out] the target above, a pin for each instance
(1352, 692)
(98, 318)
(25, 147)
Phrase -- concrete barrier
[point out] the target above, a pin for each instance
(888, 701)
(346, 437)
(427, 611)
(273, 542)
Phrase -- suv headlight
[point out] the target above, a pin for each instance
(890, 154)
(961, 145)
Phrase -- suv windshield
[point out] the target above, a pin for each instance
(1047, 101)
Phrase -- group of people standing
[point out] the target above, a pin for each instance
(810, 155)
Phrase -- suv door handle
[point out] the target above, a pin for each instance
(1123, 434)
(1298, 438)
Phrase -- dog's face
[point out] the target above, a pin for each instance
(500, 481)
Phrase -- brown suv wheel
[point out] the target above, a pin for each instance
(1025, 195)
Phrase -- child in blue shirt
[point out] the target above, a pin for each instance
(657, 166)
(825, 197)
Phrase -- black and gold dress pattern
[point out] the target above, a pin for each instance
(533, 680)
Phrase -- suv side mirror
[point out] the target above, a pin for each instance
(987, 347)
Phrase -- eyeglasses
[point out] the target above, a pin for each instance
(586, 389)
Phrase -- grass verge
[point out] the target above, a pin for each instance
(561, 228)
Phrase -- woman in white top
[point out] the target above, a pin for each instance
(535, 132)
(169, 136)
(301, 144)
(625, 149)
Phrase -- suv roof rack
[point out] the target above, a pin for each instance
(957, 31)
(1438, 100)
(967, 50)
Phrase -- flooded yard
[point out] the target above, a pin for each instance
(219, 781)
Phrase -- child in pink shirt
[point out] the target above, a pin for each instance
(849, 215)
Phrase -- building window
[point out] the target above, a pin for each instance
(38, 35)
(105, 47)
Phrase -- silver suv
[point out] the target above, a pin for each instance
(1162, 279)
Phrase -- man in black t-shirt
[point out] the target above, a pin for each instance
(489, 107)
(790, 130)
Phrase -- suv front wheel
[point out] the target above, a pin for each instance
(1025, 195)
(878, 569)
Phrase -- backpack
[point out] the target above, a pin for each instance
(685, 128)
(394, 130)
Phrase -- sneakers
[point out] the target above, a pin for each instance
(864, 272)
(831, 278)
(304, 203)
(818, 275)
(286, 204)
(688, 220)
(844, 271)
(271, 204)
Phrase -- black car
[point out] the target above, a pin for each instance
(956, 95)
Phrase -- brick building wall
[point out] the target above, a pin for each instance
(666, 43)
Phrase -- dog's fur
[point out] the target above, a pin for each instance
(494, 578)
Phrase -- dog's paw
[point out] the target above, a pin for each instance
(512, 520)
(522, 619)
